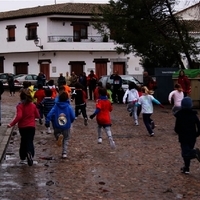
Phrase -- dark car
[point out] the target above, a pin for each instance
(126, 79)
(4, 77)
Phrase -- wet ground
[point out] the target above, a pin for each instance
(141, 167)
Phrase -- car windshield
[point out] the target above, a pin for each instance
(18, 75)
(128, 79)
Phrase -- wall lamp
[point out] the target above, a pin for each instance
(37, 41)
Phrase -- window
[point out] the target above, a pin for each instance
(11, 33)
(80, 31)
(31, 31)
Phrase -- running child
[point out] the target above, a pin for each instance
(146, 101)
(102, 113)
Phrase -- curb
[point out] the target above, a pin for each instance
(5, 138)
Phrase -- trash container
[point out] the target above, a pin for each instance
(194, 77)
(164, 83)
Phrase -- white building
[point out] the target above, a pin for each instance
(67, 42)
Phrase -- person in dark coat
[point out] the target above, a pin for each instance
(187, 126)
(92, 82)
(60, 80)
(117, 88)
(1, 89)
(11, 84)
(83, 81)
(39, 79)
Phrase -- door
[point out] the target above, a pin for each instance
(100, 69)
(45, 69)
(77, 67)
(1, 65)
(120, 67)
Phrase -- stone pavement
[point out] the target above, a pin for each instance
(7, 113)
(140, 168)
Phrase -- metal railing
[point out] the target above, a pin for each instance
(64, 38)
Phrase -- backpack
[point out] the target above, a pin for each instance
(60, 118)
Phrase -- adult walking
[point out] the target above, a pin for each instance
(92, 82)
(117, 84)
(11, 84)
(148, 81)
(184, 82)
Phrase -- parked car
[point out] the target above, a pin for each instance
(126, 79)
(4, 77)
(20, 78)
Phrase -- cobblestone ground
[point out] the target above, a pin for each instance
(140, 168)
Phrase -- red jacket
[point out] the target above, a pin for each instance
(104, 108)
(39, 95)
(25, 115)
(185, 83)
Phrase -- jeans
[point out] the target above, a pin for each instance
(91, 91)
(66, 137)
(26, 145)
(131, 107)
(107, 130)
(188, 152)
(147, 121)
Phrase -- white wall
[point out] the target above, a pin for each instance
(61, 61)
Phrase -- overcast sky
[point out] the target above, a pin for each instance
(7, 5)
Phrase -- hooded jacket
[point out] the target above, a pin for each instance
(66, 109)
(187, 125)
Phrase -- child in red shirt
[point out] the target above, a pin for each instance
(25, 117)
(39, 95)
(102, 113)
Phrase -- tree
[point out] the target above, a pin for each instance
(150, 29)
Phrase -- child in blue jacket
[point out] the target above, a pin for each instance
(62, 116)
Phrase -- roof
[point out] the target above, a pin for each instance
(188, 8)
(61, 9)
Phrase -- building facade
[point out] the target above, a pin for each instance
(57, 39)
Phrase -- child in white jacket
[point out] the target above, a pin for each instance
(131, 96)
(177, 95)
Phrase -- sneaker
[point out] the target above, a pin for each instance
(99, 140)
(85, 121)
(198, 154)
(64, 155)
(29, 159)
(152, 134)
(130, 114)
(185, 170)
(112, 143)
(23, 162)
(48, 130)
(136, 123)
(40, 121)
(152, 125)
(60, 139)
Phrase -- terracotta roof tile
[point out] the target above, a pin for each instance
(64, 8)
